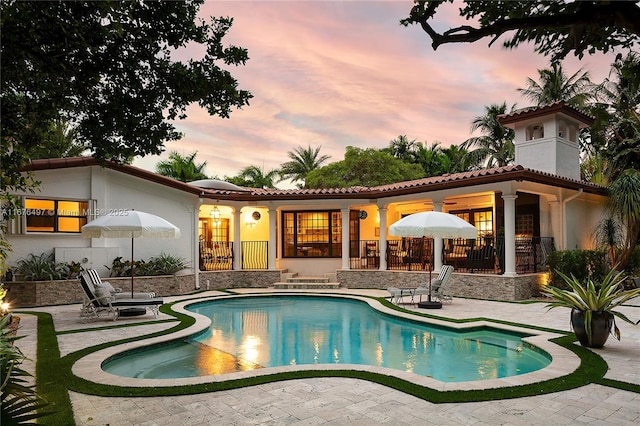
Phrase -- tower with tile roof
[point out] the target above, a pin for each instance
(546, 138)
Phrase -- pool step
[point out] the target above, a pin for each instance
(293, 280)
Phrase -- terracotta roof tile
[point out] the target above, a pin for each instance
(447, 181)
(536, 111)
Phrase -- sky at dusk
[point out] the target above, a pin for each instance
(346, 73)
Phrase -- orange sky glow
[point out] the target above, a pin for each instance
(340, 73)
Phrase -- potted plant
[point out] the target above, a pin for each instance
(592, 306)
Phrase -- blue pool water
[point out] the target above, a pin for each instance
(257, 332)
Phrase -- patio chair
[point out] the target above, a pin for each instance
(396, 294)
(99, 301)
(438, 286)
(116, 292)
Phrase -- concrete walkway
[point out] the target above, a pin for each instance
(342, 401)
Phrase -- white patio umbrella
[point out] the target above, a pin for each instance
(130, 224)
(433, 225)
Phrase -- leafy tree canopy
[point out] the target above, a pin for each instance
(110, 68)
(363, 167)
(556, 28)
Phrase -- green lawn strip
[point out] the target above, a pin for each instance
(110, 327)
(50, 376)
(619, 385)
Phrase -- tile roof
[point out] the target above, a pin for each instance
(435, 183)
(537, 111)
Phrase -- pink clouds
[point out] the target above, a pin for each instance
(346, 73)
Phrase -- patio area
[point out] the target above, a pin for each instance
(351, 401)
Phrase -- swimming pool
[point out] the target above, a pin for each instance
(250, 333)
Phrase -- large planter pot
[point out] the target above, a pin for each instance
(601, 323)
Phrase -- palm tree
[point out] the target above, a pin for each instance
(430, 158)
(182, 168)
(616, 131)
(254, 177)
(404, 149)
(624, 205)
(456, 160)
(555, 86)
(496, 147)
(303, 161)
(60, 142)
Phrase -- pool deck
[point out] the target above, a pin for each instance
(341, 401)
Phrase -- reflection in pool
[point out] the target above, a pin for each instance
(255, 332)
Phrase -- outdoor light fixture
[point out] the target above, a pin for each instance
(253, 218)
(215, 215)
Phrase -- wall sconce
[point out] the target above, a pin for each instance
(252, 220)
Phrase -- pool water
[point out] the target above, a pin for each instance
(247, 333)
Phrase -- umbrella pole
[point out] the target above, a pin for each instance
(132, 266)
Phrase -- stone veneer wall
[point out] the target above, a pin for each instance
(46, 293)
(491, 287)
(257, 278)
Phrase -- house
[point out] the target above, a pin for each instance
(231, 236)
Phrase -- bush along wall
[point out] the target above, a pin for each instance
(580, 263)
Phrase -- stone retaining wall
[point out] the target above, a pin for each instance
(46, 293)
(490, 287)
(257, 278)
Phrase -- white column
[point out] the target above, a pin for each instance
(237, 245)
(196, 257)
(509, 235)
(437, 243)
(382, 211)
(273, 216)
(344, 214)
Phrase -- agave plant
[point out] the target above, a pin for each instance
(19, 401)
(589, 297)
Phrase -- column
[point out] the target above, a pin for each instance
(237, 244)
(196, 258)
(382, 211)
(273, 216)
(509, 235)
(437, 243)
(344, 214)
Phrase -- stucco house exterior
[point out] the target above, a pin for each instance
(234, 236)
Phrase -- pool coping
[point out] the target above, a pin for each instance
(563, 361)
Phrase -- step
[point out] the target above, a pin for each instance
(307, 279)
(306, 285)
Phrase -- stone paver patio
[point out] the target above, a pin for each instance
(344, 401)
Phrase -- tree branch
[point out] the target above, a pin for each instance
(624, 15)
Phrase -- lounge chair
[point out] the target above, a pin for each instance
(99, 301)
(116, 292)
(396, 295)
(438, 286)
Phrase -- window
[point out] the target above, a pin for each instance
(55, 215)
(312, 234)
(482, 219)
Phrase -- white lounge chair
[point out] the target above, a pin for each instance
(99, 301)
(116, 292)
(439, 285)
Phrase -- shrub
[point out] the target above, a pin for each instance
(43, 267)
(582, 264)
(165, 264)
